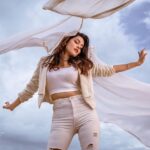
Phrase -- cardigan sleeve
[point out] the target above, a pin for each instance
(32, 85)
(102, 70)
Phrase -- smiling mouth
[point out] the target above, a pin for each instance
(76, 50)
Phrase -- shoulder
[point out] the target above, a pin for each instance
(43, 58)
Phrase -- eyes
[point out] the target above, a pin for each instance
(77, 42)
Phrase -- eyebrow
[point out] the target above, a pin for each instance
(80, 42)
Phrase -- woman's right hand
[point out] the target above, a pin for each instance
(142, 56)
(8, 106)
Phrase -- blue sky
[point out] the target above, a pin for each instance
(117, 39)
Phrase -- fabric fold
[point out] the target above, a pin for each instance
(46, 37)
(95, 9)
(123, 101)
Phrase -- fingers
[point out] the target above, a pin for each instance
(142, 50)
(144, 56)
(6, 102)
(6, 106)
(142, 53)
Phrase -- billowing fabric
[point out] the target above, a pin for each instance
(47, 37)
(95, 9)
(124, 101)
(120, 100)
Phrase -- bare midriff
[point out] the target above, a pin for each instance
(65, 94)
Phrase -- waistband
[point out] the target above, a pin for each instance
(66, 99)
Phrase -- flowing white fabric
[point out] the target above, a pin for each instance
(123, 101)
(47, 37)
(120, 100)
(95, 9)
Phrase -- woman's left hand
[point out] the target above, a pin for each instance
(142, 55)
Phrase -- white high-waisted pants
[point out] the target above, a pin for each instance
(72, 115)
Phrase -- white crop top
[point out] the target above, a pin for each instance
(62, 80)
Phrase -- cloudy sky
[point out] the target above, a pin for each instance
(117, 40)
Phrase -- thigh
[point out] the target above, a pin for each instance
(60, 139)
(62, 127)
(89, 135)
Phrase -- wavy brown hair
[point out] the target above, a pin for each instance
(81, 61)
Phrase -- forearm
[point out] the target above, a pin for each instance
(15, 103)
(124, 67)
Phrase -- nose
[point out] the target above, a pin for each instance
(78, 47)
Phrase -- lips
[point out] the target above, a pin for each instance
(76, 50)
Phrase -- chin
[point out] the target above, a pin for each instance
(74, 54)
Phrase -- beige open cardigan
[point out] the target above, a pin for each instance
(38, 82)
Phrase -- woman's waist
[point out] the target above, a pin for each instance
(65, 94)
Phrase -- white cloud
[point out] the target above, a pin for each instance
(146, 20)
(111, 40)
(118, 138)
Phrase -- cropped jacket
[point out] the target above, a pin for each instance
(38, 83)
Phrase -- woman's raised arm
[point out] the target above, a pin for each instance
(109, 70)
(124, 67)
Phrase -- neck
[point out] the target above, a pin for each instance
(64, 60)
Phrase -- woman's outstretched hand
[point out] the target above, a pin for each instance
(140, 61)
(13, 105)
(142, 55)
(8, 106)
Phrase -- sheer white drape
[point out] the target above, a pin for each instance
(123, 101)
(95, 9)
(120, 100)
(47, 37)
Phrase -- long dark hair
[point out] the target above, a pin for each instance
(81, 61)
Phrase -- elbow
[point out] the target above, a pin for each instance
(116, 69)
(110, 72)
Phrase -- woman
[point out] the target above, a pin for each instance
(64, 79)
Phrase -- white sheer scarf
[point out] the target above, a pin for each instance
(124, 101)
(120, 100)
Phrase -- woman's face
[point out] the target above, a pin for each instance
(75, 45)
